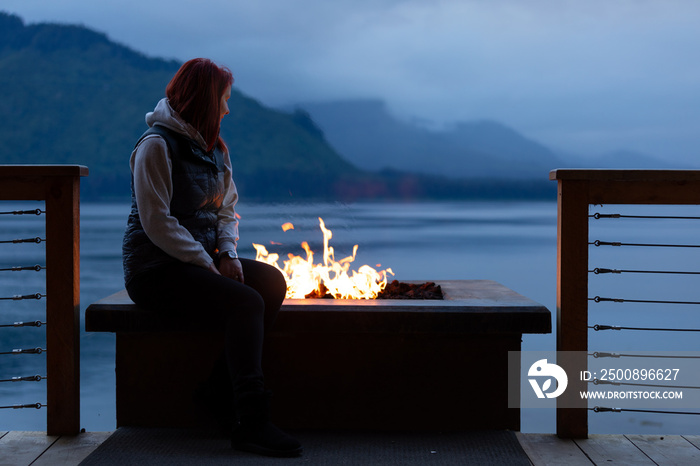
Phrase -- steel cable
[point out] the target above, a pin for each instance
(601, 409)
(599, 299)
(26, 296)
(598, 243)
(27, 378)
(36, 323)
(25, 240)
(607, 382)
(599, 270)
(20, 406)
(25, 351)
(22, 212)
(599, 354)
(36, 268)
(598, 327)
(674, 217)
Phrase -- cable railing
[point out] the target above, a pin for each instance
(578, 190)
(58, 186)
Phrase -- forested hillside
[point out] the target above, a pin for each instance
(70, 95)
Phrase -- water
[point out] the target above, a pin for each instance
(513, 243)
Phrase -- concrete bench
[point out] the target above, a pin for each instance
(339, 364)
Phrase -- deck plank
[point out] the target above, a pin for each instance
(668, 449)
(550, 450)
(694, 439)
(70, 450)
(19, 448)
(618, 449)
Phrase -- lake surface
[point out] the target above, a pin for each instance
(513, 243)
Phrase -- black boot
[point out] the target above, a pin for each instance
(256, 434)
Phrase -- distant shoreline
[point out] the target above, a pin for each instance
(397, 187)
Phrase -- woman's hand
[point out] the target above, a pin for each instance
(231, 268)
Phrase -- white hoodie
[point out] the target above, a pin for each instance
(152, 169)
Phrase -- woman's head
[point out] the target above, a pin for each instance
(195, 92)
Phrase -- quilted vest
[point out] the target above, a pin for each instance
(198, 191)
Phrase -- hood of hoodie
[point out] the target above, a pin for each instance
(164, 115)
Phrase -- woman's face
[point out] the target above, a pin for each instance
(224, 102)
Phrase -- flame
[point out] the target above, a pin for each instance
(305, 278)
(287, 226)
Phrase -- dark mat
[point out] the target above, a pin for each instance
(151, 446)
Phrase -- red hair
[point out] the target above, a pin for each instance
(195, 93)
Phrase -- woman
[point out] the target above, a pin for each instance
(179, 248)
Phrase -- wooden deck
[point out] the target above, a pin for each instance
(37, 448)
(637, 450)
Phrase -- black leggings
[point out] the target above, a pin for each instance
(243, 311)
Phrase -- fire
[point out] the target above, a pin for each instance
(305, 278)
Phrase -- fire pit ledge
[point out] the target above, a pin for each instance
(470, 306)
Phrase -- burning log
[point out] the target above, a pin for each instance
(394, 290)
(320, 293)
(400, 290)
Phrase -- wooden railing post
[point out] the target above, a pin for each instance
(63, 305)
(59, 187)
(572, 303)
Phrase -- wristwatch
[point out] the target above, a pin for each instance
(229, 254)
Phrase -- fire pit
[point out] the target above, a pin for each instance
(339, 363)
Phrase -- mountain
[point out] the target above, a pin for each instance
(71, 95)
(367, 135)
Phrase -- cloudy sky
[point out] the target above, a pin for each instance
(584, 76)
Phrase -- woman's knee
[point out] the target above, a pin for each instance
(266, 279)
(278, 284)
